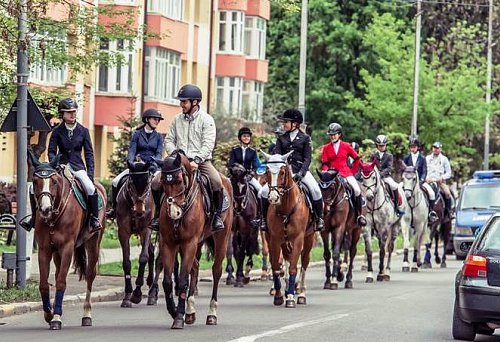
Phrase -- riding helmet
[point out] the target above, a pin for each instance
(151, 113)
(334, 128)
(414, 142)
(381, 140)
(67, 105)
(244, 130)
(293, 115)
(189, 92)
(437, 144)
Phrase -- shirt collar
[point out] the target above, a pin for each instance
(69, 128)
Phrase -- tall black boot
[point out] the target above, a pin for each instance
(111, 213)
(155, 224)
(395, 194)
(359, 209)
(217, 223)
(432, 214)
(318, 213)
(28, 223)
(93, 208)
(264, 207)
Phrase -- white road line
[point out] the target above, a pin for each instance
(288, 328)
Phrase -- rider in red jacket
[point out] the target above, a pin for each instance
(334, 156)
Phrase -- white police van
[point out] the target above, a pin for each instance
(479, 199)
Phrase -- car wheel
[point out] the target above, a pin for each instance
(461, 330)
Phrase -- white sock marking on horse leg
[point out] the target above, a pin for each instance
(87, 307)
(57, 318)
(212, 309)
(190, 306)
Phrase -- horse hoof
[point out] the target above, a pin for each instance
(211, 320)
(230, 281)
(246, 280)
(369, 280)
(178, 324)
(334, 286)
(443, 264)
(387, 277)
(55, 325)
(419, 263)
(327, 285)
(340, 276)
(426, 265)
(406, 268)
(48, 316)
(86, 321)
(380, 277)
(290, 303)
(272, 292)
(126, 303)
(279, 301)
(438, 260)
(301, 300)
(282, 273)
(364, 268)
(238, 284)
(136, 298)
(152, 300)
(348, 284)
(414, 269)
(190, 318)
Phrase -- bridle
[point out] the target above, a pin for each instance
(412, 191)
(188, 191)
(135, 197)
(374, 188)
(282, 190)
(332, 202)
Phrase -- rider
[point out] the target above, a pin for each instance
(193, 131)
(300, 143)
(418, 161)
(147, 143)
(439, 171)
(384, 162)
(334, 156)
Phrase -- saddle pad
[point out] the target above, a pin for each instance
(307, 196)
(82, 198)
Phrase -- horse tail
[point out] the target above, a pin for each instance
(210, 244)
(80, 262)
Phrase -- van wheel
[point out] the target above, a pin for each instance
(461, 330)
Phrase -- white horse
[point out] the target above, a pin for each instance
(382, 219)
(418, 213)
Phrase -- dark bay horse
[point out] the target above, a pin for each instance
(60, 223)
(184, 227)
(245, 237)
(290, 229)
(340, 223)
(135, 208)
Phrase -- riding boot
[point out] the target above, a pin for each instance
(155, 224)
(217, 223)
(318, 213)
(93, 208)
(264, 207)
(28, 223)
(111, 213)
(432, 214)
(395, 194)
(359, 209)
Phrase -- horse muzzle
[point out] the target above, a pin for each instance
(174, 210)
(369, 197)
(408, 195)
(274, 197)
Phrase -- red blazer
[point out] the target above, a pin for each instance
(330, 159)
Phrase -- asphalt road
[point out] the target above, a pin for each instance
(411, 307)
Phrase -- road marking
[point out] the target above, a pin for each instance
(288, 328)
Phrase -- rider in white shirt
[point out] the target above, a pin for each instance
(439, 171)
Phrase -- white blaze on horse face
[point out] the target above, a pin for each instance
(370, 185)
(241, 187)
(274, 164)
(45, 204)
(174, 211)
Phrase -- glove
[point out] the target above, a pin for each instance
(297, 177)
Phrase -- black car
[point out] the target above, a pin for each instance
(477, 286)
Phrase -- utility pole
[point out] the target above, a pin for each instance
(303, 58)
(486, 158)
(22, 142)
(416, 76)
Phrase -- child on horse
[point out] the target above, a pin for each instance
(193, 131)
(147, 143)
(384, 162)
(335, 155)
(300, 143)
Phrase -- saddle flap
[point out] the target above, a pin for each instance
(207, 191)
(307, 196)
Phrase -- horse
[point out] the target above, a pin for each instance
(184, 227)
(289, 229)
(61, 232)
(244, 235)
(382, 218)
(341, 224)
(419, 209)
(135, 208)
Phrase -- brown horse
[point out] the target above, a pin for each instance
(60, 223)
(340, 223)
(184, 227)
(135, 208)
(290, 229)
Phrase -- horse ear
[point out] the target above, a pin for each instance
(178, 160)
(267, 156)
(158, 162)
(319, 173)
(54, 163)
(33, 159)
(285, 157)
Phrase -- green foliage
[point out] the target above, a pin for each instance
(15, 295)
(118, 161)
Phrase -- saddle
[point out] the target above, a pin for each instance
(349, 190)
(207, 192)
(307, 196)
(79, 191)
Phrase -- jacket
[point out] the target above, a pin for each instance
(338, 161)
(147, 148)
(250, 162)
(71, 150)
(421, 165)
(384, 164)
(438, 167)
(300, 159)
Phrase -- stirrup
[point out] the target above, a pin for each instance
(319, 224)
(217, 224)
(27, 223)
(263, 225)
(110, 214)
(95, 225)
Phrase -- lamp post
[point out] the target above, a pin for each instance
(303, 58)
(486, 159)
(416, 63)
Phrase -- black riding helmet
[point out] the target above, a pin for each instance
(151, 113)
(293, 115)
(334, 128)
(244, 130)
(414, 142)
(67, 105)
(189, 92)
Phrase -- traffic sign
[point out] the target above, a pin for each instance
(36, 120)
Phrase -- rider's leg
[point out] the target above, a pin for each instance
(447, 197)
(156, 192)
(29, 223)
(309, 181)
(256, 185)
(111, 213)
(358, 201)
(432, 200)
(395, 194)
(92, 200)
(218, 196)
(264, 207)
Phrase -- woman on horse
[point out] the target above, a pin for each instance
(294, 139)
(335, 155)
(384, 162)
(147, 143)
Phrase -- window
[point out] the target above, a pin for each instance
(116, 78)
(168, 8)
(41, 71)
(253, 100)
(255, 37)
(162, 74)
(229, 93)
(231, 31)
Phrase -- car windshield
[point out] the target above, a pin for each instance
(480, 197)
(491, 237)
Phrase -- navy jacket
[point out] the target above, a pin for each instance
(301, 147)
(384, 164)
(250, 162)
(147, 148)
(71, 150)
(421, 165)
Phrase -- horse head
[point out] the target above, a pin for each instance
(47, 185)
(279, 176)
(176, 180)
(370, 178)
(410, 181)
(139, 180)
(328, 183)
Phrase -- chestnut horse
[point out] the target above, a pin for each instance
(135, 208)
(290, 229)
(340, 222)
(184, 227)
(60, 222)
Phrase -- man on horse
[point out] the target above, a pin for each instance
(334, 156)
(384, 162)
(193, 131)
(417, 160)
(300, 143)
(147, 143)
(439, 171)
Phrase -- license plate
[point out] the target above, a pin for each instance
(493, 268)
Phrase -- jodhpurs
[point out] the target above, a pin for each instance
(429, 190)
(308, 181)
(354, 185)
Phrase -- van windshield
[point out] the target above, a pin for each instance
(480, 197)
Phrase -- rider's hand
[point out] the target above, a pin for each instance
(194, 166)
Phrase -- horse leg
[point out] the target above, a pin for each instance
(265, 257)
(190, 317)
(298, 244)
(151, 264)
(248, 269)
(275, 254)
(427, 256)
(127, 268)
(390, 249)
(92, 248)
(336, 244)
(62, 271)
(382, 244)
(44, 258)
(355, 234)
(367, 237)
(405, 230)
(168, 256)
(143, 260)
(304, 258)
(327, 255)
(153, 290)
(240, 259)
(436, 247)
(176, 274)
(229, 261)
(446, 229)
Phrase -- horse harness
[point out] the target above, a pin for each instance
(133, 198)
(334, 201)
